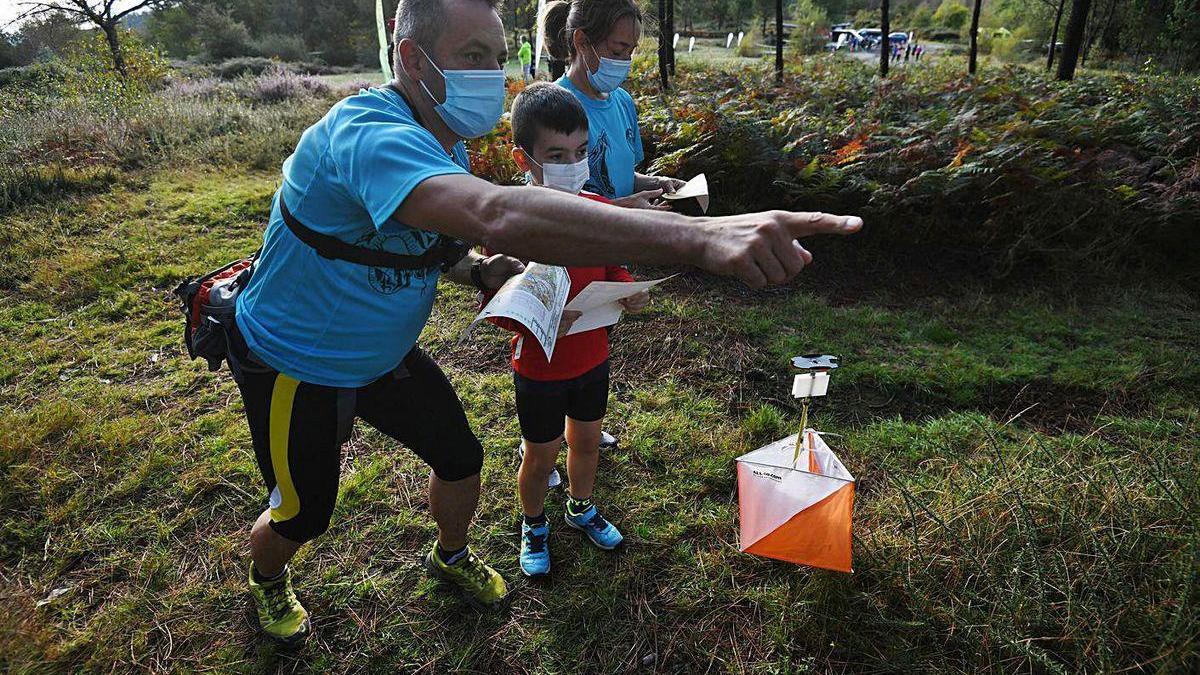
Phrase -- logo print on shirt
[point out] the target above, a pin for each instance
(599, 182)
(387, 280)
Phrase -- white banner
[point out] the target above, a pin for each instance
(383, 44)
(538, 40)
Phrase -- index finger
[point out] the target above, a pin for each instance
(805, 223)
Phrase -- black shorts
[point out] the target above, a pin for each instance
(298, 430)
(542, 407)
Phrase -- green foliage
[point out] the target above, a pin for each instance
(44, 37)
(282, 47)
(174, 30)
(989, 166)
(952, 14)
(750, 46)
(9, 57)
(220, 35)
(1009, 47)
(89, 74)
(812, 29)
(920, 18)
(867, 17)
(39, 78)
(243, 65)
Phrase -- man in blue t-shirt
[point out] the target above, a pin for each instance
(322, 340)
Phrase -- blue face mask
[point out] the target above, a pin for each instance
(474, 99)
(610, 74)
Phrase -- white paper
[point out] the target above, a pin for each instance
(599, 302)
(533, 298)
(695, 188)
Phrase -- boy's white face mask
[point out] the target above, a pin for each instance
(568, 178)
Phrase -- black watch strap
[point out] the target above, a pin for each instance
(477, 275)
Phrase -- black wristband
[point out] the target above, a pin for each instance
(477, 275)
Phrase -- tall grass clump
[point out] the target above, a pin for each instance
(1048, 554)
(278, 84)
(251, 120)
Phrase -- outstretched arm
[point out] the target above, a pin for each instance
(556, 228)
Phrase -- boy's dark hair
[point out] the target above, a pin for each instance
(545, 105)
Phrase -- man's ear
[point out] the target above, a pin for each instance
(409, 59)
(522, 159)
(580, 40)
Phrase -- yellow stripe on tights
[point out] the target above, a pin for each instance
(281, 426)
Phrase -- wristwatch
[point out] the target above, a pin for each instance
(477, 275)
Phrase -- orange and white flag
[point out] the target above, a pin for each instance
(796, 507)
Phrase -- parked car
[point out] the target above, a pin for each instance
(840, 38)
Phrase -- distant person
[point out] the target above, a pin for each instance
(907, 53)
(567, 393)
(525, 56)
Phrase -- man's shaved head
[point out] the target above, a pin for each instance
(423, 20)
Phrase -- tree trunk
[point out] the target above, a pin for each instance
(671, 35)
(1098, 30)
(974, 57)
(778, 42)
(885, 44)
(1054, 35)
(1073, 39)
(664, 43)
(1088, 30)
(114, 46)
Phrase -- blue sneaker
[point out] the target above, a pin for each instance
(535, 553)
(602, 533)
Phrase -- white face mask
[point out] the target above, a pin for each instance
(566, 177)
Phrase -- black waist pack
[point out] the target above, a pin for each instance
(208, 302)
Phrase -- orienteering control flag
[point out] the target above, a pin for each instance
(796, 507)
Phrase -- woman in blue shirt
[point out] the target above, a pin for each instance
(597, 39)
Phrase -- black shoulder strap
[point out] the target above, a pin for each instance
(441, 254)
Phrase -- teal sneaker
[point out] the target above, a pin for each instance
(535, 552)
(602, 533)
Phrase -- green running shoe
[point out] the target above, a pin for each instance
(280, 614)
(482, 586)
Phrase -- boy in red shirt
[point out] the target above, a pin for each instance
(570, 392)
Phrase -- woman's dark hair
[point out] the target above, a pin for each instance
(595, 18)
(545, 105)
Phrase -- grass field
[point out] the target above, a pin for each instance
(1027, 457)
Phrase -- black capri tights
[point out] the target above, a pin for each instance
(298, 430)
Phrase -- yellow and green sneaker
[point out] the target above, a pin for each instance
(280, 614)
(482, 586)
